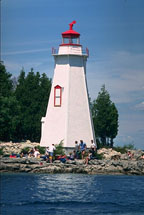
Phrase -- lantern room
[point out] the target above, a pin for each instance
(71, 37)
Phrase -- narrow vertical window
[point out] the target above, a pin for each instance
(57, 96)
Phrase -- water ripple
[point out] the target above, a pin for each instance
(71, 194)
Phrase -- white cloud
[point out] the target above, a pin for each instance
(42, 66)
(140, 106)
(30, 43)
(25, 51)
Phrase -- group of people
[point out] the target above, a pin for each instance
(79, 152)
(34, 152)
(80, 149)
(131, 155)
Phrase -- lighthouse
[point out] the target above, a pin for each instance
(68, 118)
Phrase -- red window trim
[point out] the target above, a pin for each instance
(55, 88)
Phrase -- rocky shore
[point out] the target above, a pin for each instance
(113, 163)
(34, 165)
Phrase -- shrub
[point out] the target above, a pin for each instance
(124, 149)
(59, 149)
(25, 150)
(1, 151)
(99, 156)
(41, 149)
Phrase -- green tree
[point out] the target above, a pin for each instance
(113, 124)
(9, 111)
(45, 88)
(5, 82)
(23, 102)
(32, 93)
(9, 118)
(105, 118)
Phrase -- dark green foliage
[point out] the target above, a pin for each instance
(25, 150)
(1, 151)
(22, 105)
(124, 149)
(59, 149)
(32, 93)
(99, 156)
(45, 88)
(5, 82)
(41, 149)
(9, 118)
(9, 111)
(105, 119)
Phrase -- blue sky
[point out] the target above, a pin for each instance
(113, 30)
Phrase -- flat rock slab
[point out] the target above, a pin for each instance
(105, 166)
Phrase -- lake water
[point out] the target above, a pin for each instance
(72, 194)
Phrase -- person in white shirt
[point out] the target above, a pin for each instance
(47, 151)
(36, 153)
(93, 148)
(51, 152)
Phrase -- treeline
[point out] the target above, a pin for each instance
(22, 105)
(105, 119)
(23, 102)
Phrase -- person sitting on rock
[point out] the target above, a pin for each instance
(77, 150)
(36, 153)
(93, 148)
(46, 156)
(130, 155)
(83, 147)
(71, 156)
(74, 154)
(62, 158)
(24, 153)
(89, 157)
(31, 153)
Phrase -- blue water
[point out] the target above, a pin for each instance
(75, 194)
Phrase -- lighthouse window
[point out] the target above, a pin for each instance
(74, 40)
(57, 96)
(66, 40)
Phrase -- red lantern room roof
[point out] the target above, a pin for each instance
(71, 33)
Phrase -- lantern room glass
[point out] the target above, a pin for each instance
(70, 40)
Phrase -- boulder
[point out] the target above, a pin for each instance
(108, 153)
(79, 162)
(15, 148)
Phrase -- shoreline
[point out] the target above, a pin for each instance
(112, 162)
(99, 167)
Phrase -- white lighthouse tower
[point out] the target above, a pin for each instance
(68, 117)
